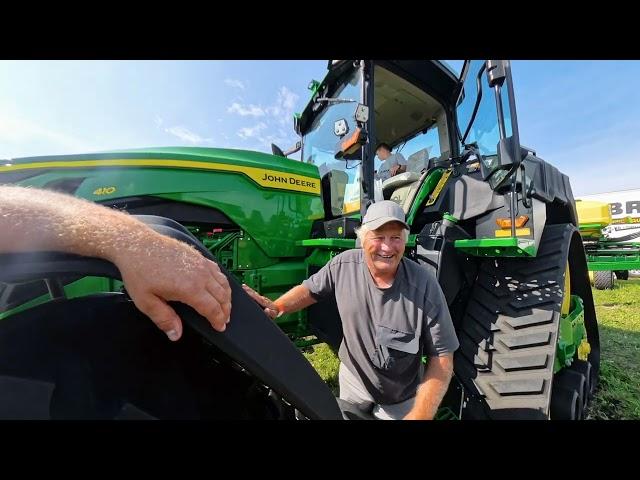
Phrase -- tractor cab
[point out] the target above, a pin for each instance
(358, 106)
(426, 114)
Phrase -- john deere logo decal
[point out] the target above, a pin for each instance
(278, 180)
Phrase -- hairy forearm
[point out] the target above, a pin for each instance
(155, 269)
(295, 299)
(37, 220)
(433, 388)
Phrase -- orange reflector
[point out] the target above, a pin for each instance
(351, 141)
(520, 232)
(506, 222)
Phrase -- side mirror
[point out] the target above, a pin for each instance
(296, 148)
(277, 151)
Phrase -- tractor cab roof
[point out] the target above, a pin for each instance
(432, 75)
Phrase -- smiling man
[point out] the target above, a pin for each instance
(393, 312)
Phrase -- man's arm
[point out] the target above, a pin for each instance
(297, 298)
(400, 169)
(433, 388)
(400, 165)
(301, 296)
(155, 269)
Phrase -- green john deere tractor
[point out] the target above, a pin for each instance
(495, 223)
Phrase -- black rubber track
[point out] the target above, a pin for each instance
(509, 331)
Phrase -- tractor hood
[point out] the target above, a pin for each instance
(274, 198)
(267, 171)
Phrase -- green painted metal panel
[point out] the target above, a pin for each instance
(427, 187)
(571, 332)
(497, 247)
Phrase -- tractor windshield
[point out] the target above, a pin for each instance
(319, 147)
(478, 117)
(409, 120)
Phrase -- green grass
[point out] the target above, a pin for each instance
(326, 364)
(618, 311)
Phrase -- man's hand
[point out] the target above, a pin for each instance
(155, 268)
(269, 306)
(163, 269)
(397, 169)
(295, 299)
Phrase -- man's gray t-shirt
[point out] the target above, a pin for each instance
(394, 159)
(386, 331)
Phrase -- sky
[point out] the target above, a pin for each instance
(581, 116)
